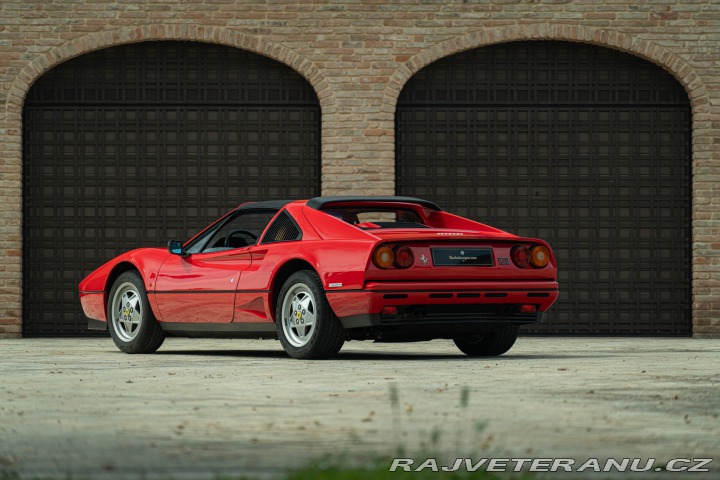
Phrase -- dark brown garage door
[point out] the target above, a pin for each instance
(134, 145)
(586, 147)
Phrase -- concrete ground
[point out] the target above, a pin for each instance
(198, 408)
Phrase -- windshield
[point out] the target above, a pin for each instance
(373, 217)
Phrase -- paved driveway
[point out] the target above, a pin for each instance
(202, 407)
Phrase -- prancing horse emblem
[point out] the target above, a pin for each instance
(423, 259)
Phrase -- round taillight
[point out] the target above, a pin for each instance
(539, 256)
(404, 257)
(520, 255)
(384, 257)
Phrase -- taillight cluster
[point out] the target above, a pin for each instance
(400, 256)
(526, 256)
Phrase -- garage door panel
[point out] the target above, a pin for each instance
(147, 156)
(606, 180)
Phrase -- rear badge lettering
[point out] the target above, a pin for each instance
(503, 261)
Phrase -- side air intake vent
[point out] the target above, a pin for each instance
(283, 229)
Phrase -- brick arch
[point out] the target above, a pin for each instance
(11, 121)
(652, 52)
(704, 313)
(217, 35)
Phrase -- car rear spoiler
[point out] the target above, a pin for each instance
(319, 202)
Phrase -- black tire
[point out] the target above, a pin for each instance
(488, 344)
(326, 337)
(145, 336)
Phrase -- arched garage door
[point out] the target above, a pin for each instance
(134, 145)
(584, 146)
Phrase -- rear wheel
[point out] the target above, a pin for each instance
(488, 344)
(306, 325)
(132, 324)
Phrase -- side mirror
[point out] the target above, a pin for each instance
(176, 248)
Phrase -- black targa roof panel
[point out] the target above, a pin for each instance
(269, 204)
(319, 202)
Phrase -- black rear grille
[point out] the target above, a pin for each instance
(283, 229)
(417, 314)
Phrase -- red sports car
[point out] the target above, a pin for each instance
(315, 273)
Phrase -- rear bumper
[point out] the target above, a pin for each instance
(437, 304)
(423, 317)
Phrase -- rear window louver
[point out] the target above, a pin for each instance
(283, 229)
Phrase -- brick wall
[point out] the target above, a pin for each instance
(357, 54)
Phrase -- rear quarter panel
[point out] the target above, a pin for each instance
(338, 252)
(339, 263)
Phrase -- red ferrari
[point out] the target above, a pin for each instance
(315, 273)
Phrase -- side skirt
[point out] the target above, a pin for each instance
(220, 330)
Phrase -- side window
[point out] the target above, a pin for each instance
(282, 229)
(241, 230)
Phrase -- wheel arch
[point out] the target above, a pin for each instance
(116, 271)
(281, 275)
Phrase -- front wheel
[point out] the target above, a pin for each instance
(306, 325)
(488, 344)
(132, 324)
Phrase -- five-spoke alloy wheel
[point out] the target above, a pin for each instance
(307, 327)
(126, 312)
(132, 324)
(298, 317)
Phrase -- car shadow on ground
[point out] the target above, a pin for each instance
(375, 355)
(341, 356)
